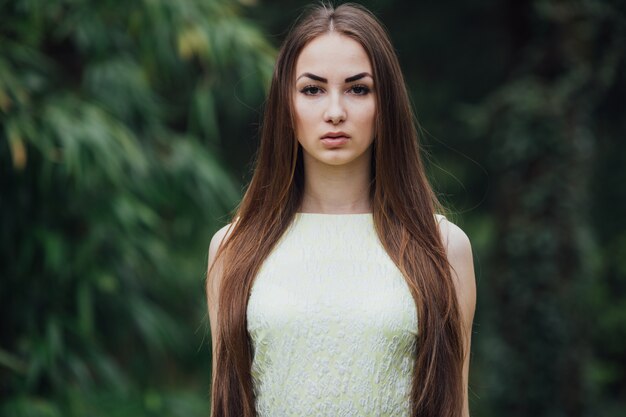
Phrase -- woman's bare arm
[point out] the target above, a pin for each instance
(214, 276)
(459, 253)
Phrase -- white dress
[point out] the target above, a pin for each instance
(332, 322)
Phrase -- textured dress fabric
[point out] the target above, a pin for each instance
(332, 322)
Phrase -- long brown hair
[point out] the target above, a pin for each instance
(403, 205)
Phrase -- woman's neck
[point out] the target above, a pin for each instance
(340, 189)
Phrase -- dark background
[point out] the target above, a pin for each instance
(127, 131)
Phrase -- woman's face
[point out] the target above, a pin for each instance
(334, 101)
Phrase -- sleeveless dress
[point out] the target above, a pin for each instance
(332, 323)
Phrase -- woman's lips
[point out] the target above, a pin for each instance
(334, 141)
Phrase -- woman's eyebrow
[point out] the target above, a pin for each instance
(313, 77)
(358, 77)
(324, 80)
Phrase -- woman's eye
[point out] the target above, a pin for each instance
(311, 90)
(359, 90)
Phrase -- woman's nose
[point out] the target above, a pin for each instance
(335, 112)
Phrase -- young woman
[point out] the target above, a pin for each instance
(337, 290)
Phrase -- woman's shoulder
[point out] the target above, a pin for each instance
(218, 238)
(454, 239)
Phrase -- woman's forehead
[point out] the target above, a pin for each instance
(334, 57)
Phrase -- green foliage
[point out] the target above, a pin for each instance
(543, 139)
(111, 184)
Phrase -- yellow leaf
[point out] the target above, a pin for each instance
(5, 101)
(193, 41)
(18, 150)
